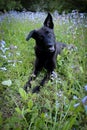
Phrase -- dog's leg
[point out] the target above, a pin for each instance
(50, 75)
(37, 88)
(28, 83)
(37, 69)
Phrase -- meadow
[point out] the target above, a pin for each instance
(61, 104)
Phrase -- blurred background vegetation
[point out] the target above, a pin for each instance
(44, 5)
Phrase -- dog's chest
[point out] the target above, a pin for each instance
(43, 55)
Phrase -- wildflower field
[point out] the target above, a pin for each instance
(61, 104)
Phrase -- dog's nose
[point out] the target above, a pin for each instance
(51, 48)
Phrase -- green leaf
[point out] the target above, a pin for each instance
(27, 111)
(59, 57)
(81, 69)
(85, 107)
(43, 115)
(1, 119)
(23, 111)
(18, 110)
(30, 104)
(65, 51)
(23, 94)
(68, 124)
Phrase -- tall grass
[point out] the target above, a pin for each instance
(58, 106)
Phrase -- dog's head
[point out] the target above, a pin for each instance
(45, 38)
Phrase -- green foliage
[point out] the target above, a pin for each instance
(58, 106)
(60, 5)
(44, 5)
(10, 5)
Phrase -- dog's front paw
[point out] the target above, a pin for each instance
(36, 89)
(53, 75)
(26, 86)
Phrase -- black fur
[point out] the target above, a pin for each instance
(46, 50)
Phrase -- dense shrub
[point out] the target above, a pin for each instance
(46, 5)
(50, 5)
(10, 5)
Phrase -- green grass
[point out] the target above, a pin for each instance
(53, 108)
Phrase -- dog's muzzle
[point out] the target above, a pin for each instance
(51, 48)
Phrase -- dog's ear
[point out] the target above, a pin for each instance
(49, 21)
(31, 35)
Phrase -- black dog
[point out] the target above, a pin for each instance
(46, 51)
